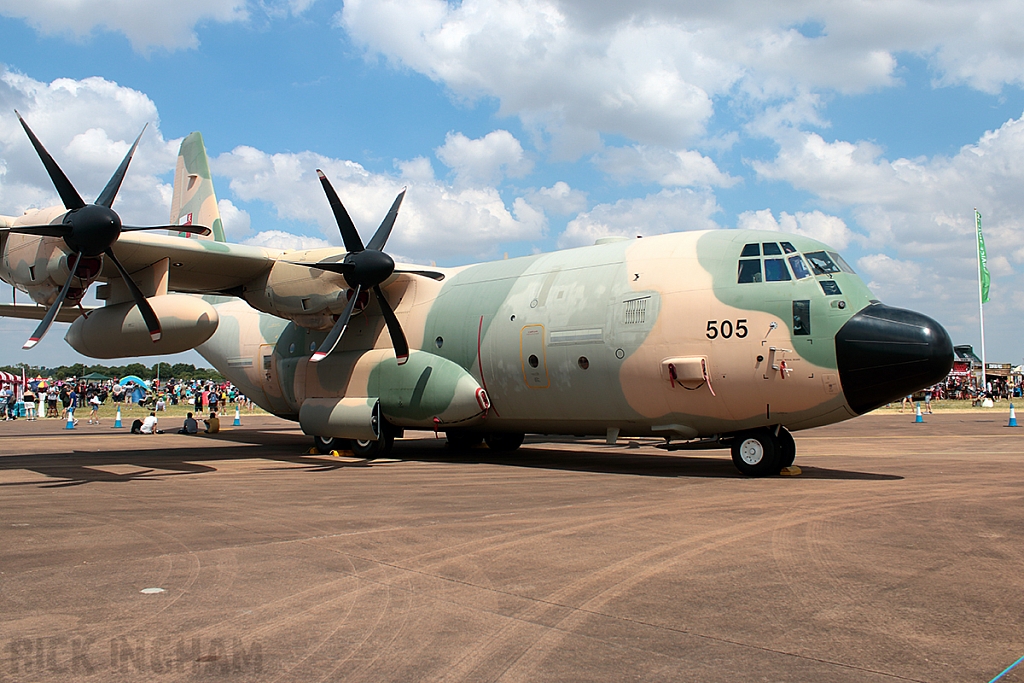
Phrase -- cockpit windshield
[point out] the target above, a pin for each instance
(787, 260)
(842, 264)
(821, 263)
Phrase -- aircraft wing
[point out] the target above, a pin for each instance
(67, 314)
(198, 266)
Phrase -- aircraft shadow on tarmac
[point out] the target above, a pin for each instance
(288, 449)
(614, 461)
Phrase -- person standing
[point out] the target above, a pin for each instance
(51, 401)
(29, 398)
(94, 415)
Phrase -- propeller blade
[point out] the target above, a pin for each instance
(398, 341)
(68, 194)
(432, 274)
(348, 229)
(384, 231)
(106, 197)
(339, 267)
(194, 229)
(148, 314)
(334, 336)
(47, 320)
(47, 230)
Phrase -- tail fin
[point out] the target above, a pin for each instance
(194, 202)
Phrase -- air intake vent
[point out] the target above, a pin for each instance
(636, 311)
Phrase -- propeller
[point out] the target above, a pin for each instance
(90, 230)
(363, 268)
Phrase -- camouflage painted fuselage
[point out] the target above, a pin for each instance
(651, 336)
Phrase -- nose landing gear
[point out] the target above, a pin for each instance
(763, 452)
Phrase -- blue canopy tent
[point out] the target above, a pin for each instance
(141, 387)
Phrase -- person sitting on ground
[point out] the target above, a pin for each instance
(213, 424)
(190, 426)
(149, 425)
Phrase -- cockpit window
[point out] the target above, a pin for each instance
(775, 270)
(771, 249)
(799, 268)
(842, 264)
(830, 287)
(751, 250)
(821, 264)
(788, 248)
(749, 270)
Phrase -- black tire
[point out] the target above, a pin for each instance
(375, 449)
(325, 444)
(787, 448)
(755, 453)
(459, 439)
(504, 442)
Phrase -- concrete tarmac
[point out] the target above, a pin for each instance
(895, 556)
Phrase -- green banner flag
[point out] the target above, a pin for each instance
(985, 279)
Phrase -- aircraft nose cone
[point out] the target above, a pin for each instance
(885, 353)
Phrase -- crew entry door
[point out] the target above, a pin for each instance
(533, 355)
(270, 381)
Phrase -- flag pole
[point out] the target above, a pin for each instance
(981, 296)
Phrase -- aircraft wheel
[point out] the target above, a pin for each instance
(378, 448)
(501, 441)
(755, 453)
(462, 440)
(325, 444)
(787, 448)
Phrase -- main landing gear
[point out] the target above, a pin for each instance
(763, 452)
(362, 449)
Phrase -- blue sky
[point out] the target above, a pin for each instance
(532, 125)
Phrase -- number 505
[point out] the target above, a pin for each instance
(726, 329)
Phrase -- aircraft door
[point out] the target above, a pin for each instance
(270, 381)
(533, 354)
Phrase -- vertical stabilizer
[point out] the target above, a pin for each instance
(194, 202)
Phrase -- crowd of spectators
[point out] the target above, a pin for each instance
(966, 388)
(57, 398)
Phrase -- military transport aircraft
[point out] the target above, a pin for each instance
(714, 339)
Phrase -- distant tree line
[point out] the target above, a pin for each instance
(166, 370)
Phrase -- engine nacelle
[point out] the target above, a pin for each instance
(118, 331)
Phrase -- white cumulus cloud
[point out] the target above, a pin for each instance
(666, 211)
(485, 160)
(87, 126)
(665, 167)
(148, 24)
(831, 230)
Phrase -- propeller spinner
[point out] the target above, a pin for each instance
(363, 268)
(89, 230)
